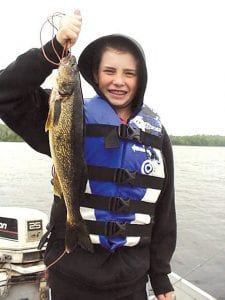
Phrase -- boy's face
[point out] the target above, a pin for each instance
(117, 78)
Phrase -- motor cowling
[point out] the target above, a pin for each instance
(20, 233)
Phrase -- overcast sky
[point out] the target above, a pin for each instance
(184, 43)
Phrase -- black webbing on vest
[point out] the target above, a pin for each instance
(116, 204)
(124, 176)
(112, 134)
(118, 229)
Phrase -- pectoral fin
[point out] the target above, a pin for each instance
(49, 123)
(53, 115)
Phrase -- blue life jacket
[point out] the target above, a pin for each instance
(126, 174)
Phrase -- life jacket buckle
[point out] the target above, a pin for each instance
(129, 133)
(124, 176)
(119, 205)
(115, 229)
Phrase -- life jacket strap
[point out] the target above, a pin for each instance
(113, 133)
(124, 177)
(118, 229)
(116, 204)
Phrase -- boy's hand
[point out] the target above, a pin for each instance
(69, 29)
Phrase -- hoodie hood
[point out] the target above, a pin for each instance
(86, 65)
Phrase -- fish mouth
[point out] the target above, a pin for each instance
(70, 61)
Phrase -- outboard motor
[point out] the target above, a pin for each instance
(21, 263)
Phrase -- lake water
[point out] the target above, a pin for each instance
(200, 201)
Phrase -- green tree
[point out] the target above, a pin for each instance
(7, 135)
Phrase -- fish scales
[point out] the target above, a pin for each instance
(65, 124)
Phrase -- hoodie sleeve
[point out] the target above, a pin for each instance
(164, 231)
(23, 103)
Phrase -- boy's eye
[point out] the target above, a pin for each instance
(109, 71)
(130, 74)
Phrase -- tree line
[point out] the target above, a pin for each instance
(7, 135)
(198, 140)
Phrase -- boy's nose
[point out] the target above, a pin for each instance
(118, 80)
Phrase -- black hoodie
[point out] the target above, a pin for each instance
(24, 108)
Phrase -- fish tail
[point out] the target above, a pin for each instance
(77, 235)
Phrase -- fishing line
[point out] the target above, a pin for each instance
(198, 266)
(56, 260)
(193, 269)
(51, 20)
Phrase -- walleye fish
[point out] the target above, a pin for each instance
(65, 124)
